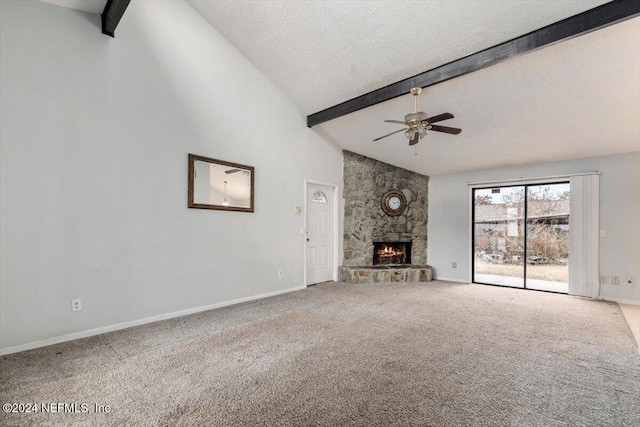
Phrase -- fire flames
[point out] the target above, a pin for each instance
(392, 253)
(390, 250)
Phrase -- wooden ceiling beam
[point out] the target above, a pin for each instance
(111, 15)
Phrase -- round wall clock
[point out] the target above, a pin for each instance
(394, 203)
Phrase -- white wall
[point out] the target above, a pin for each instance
(449, 217)
(90, 124)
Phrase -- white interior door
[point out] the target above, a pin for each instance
(319, 233)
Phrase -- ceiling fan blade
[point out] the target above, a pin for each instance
(415, 139)
(439, 118)
(395, 121)
(389, 134)
(232, 171)
(446, 129)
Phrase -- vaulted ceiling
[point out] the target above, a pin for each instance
(90, 6)
(577, 98)
(321, 53)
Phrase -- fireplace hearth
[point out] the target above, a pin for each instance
(391, 253)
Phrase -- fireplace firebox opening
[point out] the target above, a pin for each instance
(391, 253)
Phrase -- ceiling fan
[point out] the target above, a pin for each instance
(419, 123)
(244, 172)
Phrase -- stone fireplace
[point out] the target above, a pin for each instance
(369, 232)
(391, 253)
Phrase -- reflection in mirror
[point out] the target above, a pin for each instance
(216, 184)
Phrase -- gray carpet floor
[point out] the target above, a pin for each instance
(436, 354)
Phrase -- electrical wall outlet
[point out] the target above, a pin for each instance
(76, 305)
(615, 280)
(280, 273)
(454, 265)
(603, 280)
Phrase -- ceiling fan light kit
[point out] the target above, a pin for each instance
(418, 122)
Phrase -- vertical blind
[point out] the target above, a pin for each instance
(584, 223)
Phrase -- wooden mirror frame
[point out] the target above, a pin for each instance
(192, 160)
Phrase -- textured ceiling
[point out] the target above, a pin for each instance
(576, 99)
(91, 6)
(579, 98)
(322, 53)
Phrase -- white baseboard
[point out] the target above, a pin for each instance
(621, 300)
(445, 279)
(124, 325)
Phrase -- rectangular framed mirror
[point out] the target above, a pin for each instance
(220, 185)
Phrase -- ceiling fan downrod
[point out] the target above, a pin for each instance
(415, 91)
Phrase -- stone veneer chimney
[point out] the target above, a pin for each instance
(365, 183)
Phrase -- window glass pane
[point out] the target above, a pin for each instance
(319, 197)
(548, 237)
(498, 229)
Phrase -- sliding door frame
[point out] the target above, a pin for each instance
(525, 219)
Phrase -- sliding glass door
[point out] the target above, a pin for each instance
(498, 234)
(521, 236)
